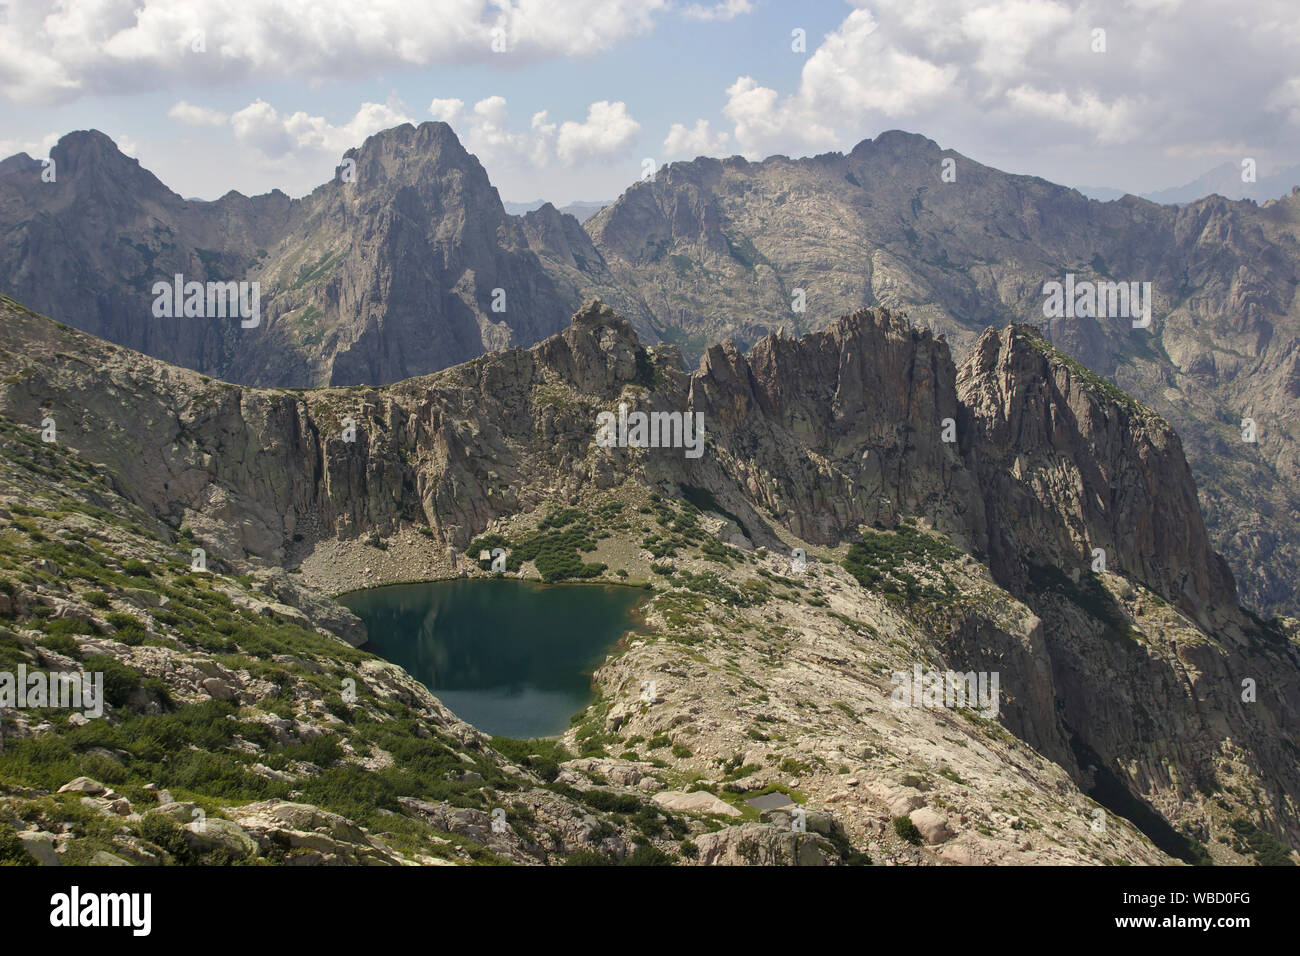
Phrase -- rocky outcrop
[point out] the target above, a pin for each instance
(839, 428)
(758, 844)
(1069, 464)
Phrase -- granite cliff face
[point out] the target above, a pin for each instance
(715, 249)
(1069, 464)
(974, 554)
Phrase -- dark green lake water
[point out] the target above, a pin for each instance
(511, 657)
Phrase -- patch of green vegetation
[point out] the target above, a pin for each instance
(589, 858)
(543, 757)
(952, 775)
(647, 373)
(881, 561)
(64, 644)
(791, 765)
(750, 593)
(312, 273)
(861, 627)
(644, 855)
(1267, 849)
(306, 326)
(67, 626)
(744, 252)
(12, 852)
(554, 550)
(907, 831)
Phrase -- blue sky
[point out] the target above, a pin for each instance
(586, 89)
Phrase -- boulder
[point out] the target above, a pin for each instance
(218, 689)
(40, 846)
(215, 833)
(315, 837)
(701, 801)
(180, 812)
(760, 844)
(932, 824)
(83, 785)
(145, 597)
(622, 773)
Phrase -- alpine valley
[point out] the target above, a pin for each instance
(916, 474)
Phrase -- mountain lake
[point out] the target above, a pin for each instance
(513, 658)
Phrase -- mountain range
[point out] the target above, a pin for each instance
(407, 263)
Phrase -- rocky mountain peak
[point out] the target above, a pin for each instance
(598, 353)
(410, 155)
(560, 236)
(18, 164)
(91, 158)
(596, 314)
(895, 142)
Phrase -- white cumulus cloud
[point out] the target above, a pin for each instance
(38, 148)
(55, 50)
(192, 115)
(694, 141)
(275, 134)
(607, 130)
(486, 131)
(1055, 79)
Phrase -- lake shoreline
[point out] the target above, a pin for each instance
(339, 566)
(512, 657)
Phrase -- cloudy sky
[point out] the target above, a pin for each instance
(565, 99)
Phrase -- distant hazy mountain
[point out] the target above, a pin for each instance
(1224, 180)
(582, 211)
